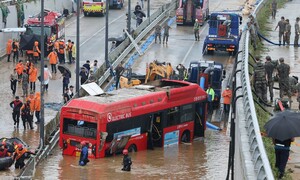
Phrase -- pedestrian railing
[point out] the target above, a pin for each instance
(260, 161)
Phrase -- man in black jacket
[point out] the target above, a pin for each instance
(16, 106)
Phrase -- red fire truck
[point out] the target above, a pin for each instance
(189, 10)
(54, 24)
(160, 113)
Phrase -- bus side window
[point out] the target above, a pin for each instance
(173, 116)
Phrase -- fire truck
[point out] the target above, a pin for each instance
(94, 7)
(54, 23)
(190, 10)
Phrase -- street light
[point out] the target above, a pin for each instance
(77, 46)
(106, 35)
(42, 120)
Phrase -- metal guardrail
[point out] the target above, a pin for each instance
(259, 157)
(144, 29)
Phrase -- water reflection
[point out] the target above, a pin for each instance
(198, 160)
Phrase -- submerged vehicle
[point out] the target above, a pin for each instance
(208, 72)
(157, 114)
(223, 33)
(190, 10)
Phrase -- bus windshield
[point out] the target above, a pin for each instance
(79, 128)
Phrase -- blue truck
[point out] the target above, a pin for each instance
(208, 72)
(224, 33)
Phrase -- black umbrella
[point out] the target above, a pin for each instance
(27, 41)
(284, 125)
(62, 69)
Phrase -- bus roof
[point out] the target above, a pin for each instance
(160, 91)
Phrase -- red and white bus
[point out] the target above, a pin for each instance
(160, 113)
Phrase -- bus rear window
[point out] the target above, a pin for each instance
(80, 128)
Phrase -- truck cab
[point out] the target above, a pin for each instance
(190, 10)
(208, 72)
(223, 34)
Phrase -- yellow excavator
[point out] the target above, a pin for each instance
(155, 70)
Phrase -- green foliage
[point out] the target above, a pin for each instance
(262, 116)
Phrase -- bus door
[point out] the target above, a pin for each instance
(200, 119)
(157, 129)
(116, 146)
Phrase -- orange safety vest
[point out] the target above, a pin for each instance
(36, 51)
(8, 47)
(61, 47)
(19, 153)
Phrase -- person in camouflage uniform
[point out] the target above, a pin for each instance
(259, 80)
(287, 32)
(281, 25)
(298, 94)
(283, 74)
(269, 67)
(293, 80)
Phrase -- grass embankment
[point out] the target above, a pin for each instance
(264, 25)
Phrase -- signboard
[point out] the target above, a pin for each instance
(92, 88)
(171, 138)
(131, 132)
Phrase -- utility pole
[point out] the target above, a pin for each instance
(42, 120)
(148, 10)
(77, 46)
(106, 36)
(129, 17)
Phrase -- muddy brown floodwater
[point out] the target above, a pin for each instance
(198, 160)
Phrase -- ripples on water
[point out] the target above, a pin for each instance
(198, 160)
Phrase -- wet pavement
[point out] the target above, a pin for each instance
(198, 160)
(291, 55)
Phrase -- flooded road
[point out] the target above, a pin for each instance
(198, 160)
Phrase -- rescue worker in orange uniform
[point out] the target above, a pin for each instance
(61, 51)
(8, 49)
(36, 52)
(3, 150)
(29, 54)
(33, 72)
(19, 68)
(15, 49)
(53, 60)
(37, 106)
(20, 155)
(227, 94)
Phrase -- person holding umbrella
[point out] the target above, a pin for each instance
(282, 153)
(283, 127)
